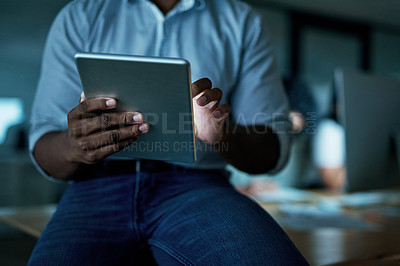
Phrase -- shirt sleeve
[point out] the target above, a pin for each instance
(259, 97)
(59, 86)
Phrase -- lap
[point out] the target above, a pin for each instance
(193, 217)
(219, 226)
(92, 226)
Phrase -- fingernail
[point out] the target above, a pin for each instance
(217, 114)
(137, 118)
(202, 100)
(111, 103)
(144, 128)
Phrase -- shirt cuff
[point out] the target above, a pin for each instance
(34, 136)
(281, 130)
(284, 146)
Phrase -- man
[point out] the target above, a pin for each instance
(114, 213)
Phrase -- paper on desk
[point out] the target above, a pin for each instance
(282, 195)
(308, 217)
(363, 199)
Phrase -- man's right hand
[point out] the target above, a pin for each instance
(95, 132)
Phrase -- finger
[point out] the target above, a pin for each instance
(91, 106)
(222, 111)
(101, 153)
(200, 85)
(83, 97)
(108, 120)
(113, 136)
(213, 95)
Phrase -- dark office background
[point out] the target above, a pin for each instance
(312, 38)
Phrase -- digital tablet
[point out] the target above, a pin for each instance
(159, 88)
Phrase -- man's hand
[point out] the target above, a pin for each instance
(95, 133)
(247, 148)
(209, 117)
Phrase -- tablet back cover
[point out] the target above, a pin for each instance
(159, 88)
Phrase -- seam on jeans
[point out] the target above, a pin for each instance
(135, 207)
(171, 252)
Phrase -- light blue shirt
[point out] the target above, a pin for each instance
(223, 40)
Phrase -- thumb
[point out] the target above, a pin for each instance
(83, 98)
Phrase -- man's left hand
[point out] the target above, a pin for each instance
(209, 117)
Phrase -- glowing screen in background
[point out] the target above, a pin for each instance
(11, 113)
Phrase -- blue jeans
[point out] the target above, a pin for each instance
(189, 217)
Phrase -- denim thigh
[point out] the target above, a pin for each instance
(189, 217)
(93, 226)
(198, 218)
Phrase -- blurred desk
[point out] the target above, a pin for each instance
(320, 246)
(329, 245)
(21, 184)
(31, 220)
